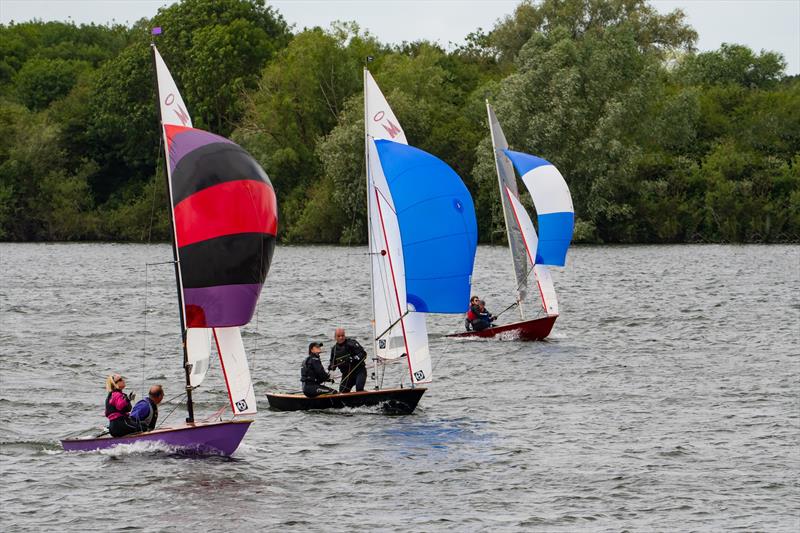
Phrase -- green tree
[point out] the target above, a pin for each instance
(733, 64)
(41, 81)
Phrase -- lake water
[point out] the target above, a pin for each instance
(665, 399)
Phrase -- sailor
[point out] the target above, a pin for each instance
(313, 375)
(472, 312)
(118, 408)
(485, 315)
(478, 318)
(145, 412)
(349, 357)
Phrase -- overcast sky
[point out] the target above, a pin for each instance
(759, 24)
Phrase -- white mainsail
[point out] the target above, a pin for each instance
(173, 110)
(397, 329)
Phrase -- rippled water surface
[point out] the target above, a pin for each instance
(666, 399)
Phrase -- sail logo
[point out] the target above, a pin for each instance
(180, 112)
(241, 405)
(392, 129)
(419, 375)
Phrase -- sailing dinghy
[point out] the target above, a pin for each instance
(224, 221)
(531, 254)
(422, 240)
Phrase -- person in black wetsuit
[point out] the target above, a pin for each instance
(350, 358)
(312, 374)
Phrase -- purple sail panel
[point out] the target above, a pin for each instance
(181, 141)
(221, 306)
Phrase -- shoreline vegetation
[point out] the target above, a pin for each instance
(659, 143)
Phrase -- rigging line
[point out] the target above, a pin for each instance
(144, 336)
(172, 411)
(162, 263)
(506, 309)
(344, 378)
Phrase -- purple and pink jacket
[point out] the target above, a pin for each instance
(117, 405)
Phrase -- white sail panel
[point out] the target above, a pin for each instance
(419, 361)
(234, 367)
(547, 289)
(386, 254)
(508, 180)
(173, 110)
(198, 352)
(549, 190)
(380, 120)
(529, 238)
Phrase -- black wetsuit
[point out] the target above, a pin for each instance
(312, 375)
(349, 357)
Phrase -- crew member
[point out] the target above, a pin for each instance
(313, 375)
(118, 408)
(145, 412)
(350, 358)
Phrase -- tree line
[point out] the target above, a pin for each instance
(658, 143)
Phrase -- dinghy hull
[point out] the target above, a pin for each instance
(392, 401)
(529, 330)
(203, 438)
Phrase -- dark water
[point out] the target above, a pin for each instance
(666, 399)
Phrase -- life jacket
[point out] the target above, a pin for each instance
(471, 316)
(150, 420)
(347, 354)
(306, 373)
(111, 408)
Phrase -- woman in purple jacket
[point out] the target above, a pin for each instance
(118, 408)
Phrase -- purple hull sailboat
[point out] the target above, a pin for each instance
(224, 221)
(221, 438)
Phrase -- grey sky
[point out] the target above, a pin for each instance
(759, 24)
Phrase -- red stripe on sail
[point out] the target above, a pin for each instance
(242, 206)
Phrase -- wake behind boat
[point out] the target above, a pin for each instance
(390, 401)
(220, 438)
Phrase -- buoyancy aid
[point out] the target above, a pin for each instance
(112, 409)
(152, 416)
(307, 372)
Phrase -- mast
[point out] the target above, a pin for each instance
(175, 256)
(505, 215)
(369, 235)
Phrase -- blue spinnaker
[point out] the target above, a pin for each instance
(437, 226)
(553, 202)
